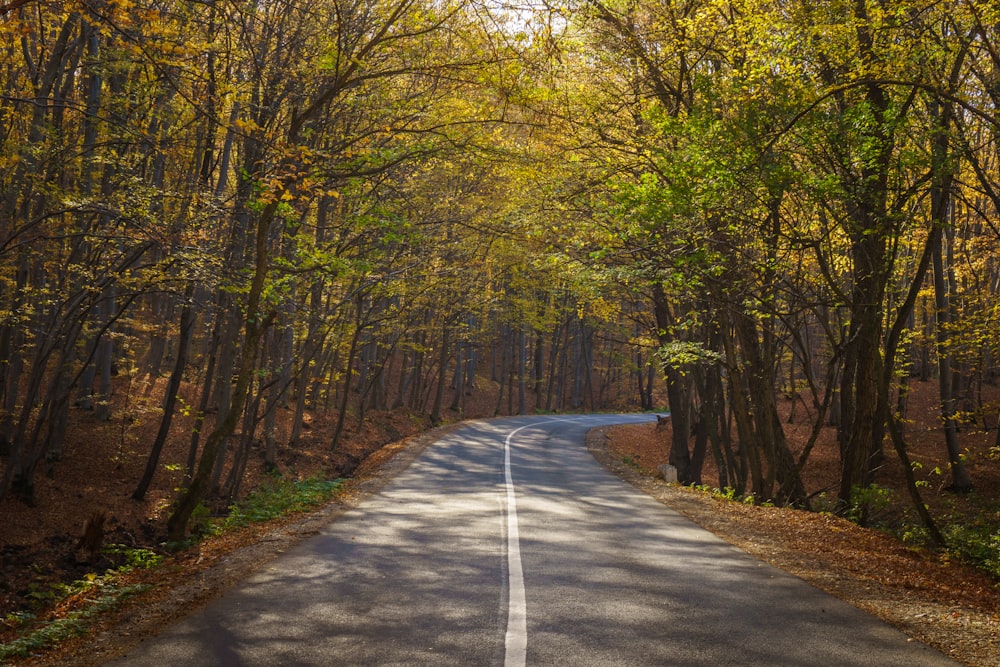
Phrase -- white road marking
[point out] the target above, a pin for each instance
(516, 640)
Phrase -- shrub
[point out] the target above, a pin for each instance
(866, 502)
(978, 544)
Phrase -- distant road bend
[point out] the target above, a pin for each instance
(505, 543)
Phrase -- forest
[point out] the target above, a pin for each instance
(247, 214)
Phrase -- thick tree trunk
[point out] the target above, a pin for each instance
(678, 396)
(863, 402)
(860, 384)
(765, 427)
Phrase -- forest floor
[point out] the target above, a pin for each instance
(931, 597)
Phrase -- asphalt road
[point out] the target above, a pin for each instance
(506, 544)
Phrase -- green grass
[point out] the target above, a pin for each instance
(279, 497)
(276, 498)
(74, 624)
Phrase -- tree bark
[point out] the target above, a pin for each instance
(256, 323)
(170, 399)
(441, 374)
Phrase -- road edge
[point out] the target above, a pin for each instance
(906, 610)
(176, 591)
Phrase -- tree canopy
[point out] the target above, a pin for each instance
(350, 206)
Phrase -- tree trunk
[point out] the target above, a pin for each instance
(678, 395)
(522, 373)
(256, 323)
(170, 399)
(458, 380)
(940, 212)
(441, 375)
(504, 351)
(349, 370)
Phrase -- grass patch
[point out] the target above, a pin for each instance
(630, 461)
(99, 592)
(73, 624)
(275, 498)
(970, 525)
(279, 497)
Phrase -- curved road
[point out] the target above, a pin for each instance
(505, 543)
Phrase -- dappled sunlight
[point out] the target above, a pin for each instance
(417, 575)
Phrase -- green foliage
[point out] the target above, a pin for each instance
(18, 618)
(134, 557)
(678, 354)
(630, 461)
(73, 624)
(824, 503)
(977, 544)
(201, 522)
(278, 497)
(867, 502)
(728, 493)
